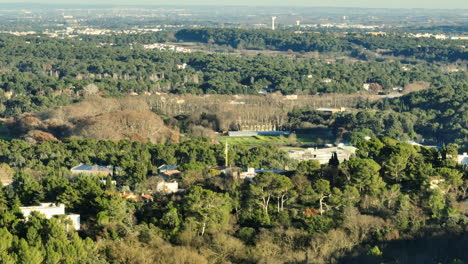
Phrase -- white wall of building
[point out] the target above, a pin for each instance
(463, 159)
(167, 187)
(50, 210)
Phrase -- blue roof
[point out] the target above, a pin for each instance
(167, 167)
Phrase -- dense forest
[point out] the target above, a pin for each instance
(39, 72)
(109, 100)
(389, 195)
(401, 45)
(266, 39)
(435, 116)
(427, 49)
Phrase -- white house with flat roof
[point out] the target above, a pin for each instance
(50, 210)
(323, 155)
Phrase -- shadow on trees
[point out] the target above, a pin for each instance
(429, 248)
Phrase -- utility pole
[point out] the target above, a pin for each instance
(226, 154)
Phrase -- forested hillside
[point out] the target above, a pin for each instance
(427, 49)
(390, 195)
(266, 39)
(39, 72)
(401, 45)
(110, 100)
(410, 117)
(442, 112)
(435, 116)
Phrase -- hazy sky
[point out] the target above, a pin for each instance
(450, 4)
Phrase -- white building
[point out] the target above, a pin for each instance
(49, 210)
(182, 66)
(248, 175)
(323, 155)
(463, 159)
(167, 187)
(458, 37)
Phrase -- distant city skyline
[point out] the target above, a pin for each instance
(432, 4)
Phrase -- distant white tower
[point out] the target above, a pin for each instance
(273, 23)
(298, 23)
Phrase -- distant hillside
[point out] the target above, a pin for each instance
(96, 118)
(127, 124)
(441, 111)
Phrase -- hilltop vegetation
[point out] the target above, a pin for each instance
(434, 116)
(40, 72)
(390, 195)
(97, 118)
(198, 116)
(427, 49)
(396, 44)
(438, 115)
(442, 113)
(107, 100)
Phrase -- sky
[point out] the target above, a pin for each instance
(436, 4)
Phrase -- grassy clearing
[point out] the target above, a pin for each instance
(255, 140)
(303, 138)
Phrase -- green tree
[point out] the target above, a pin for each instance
(27, 254)
(267, 186)
(283, 190)
(7, 240)
(348, 197)
(396, 159)
(452, 177)
(171, 220)
(437, 204)
(28, 188)
(322, 188)
(209, 209)
(364, 174)
(308, 168)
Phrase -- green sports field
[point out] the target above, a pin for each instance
(302, 138)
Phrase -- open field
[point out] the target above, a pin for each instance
(303, 138)
(207, 48)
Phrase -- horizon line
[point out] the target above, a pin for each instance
(221, 5)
